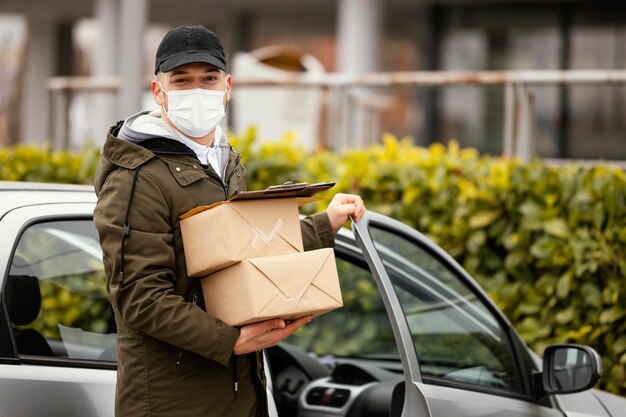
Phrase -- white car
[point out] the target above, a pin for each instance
(416, 336)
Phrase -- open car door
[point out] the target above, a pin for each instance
(460, 355)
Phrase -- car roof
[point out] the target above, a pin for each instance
(15, 194)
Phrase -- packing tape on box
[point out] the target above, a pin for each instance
(259, 235)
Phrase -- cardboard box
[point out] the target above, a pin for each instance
(286, 286)
(252, 224)
(231, 232)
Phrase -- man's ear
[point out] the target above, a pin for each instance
(229, 86)
(157, 92)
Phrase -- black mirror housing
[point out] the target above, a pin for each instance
(570, 368)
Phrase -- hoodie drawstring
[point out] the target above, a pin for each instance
(126, 228)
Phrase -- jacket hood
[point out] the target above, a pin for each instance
(134, 141)
(146, 125)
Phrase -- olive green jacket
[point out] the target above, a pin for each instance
(173, 358)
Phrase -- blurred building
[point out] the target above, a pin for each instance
(119, 37)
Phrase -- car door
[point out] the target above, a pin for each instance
(57, 333)
(459, 354)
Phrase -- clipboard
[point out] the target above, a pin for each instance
(288, 189)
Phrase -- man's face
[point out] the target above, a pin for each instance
(190, 76)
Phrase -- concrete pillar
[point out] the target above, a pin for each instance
(107, 15)
(133, 20)
(360, 31)
(105, 63)
(360, 27)
(39, 66)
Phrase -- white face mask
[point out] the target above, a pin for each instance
(195, 112)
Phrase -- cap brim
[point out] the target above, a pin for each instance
(177, 61)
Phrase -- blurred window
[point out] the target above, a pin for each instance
(56, 293)
(455, 335)
(360, 328)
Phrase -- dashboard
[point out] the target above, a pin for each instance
(303, 387)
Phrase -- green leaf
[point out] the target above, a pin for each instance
(515, 259)
(476, 240)
(542, 249)
(530, 209)
(610, 315)
(591, 294)
(620, 345)
(484, 218)
(565, 316)
(598, 215)
(563, 285)
(529, 308)
(557, 227)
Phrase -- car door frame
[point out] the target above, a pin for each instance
(415, 402)
(414, 388)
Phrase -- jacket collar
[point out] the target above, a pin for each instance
(121, 153)
(131, 155)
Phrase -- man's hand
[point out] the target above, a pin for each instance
(342, 206)
(265, 334)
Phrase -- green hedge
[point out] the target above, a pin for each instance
(548, 244)
(31, 163)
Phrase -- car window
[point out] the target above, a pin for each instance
(455, 336)
(56, 293)
(360, 328)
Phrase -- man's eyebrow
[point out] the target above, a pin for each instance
(178, 72)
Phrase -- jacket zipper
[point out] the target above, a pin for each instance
(235, 377)
(194, 301)
(224, 182)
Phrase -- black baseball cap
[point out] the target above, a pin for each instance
(187, 44)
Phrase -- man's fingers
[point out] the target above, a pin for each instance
(351, 209)
(346, 198)
(350, 204)
(302, 320)
(358, 213)
(295, 325)
(265, 334)
(346, 209)
(269, 325)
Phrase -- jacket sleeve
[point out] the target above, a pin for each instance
(317, 232)
(146, 300)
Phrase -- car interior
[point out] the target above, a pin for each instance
(23, 299)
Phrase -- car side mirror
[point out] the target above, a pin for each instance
(570, 368)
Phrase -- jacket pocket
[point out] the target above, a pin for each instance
(185, 173)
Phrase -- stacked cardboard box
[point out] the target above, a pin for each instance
(249, 254)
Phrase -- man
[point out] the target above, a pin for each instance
(174, 359)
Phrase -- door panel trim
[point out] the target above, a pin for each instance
(415, 402)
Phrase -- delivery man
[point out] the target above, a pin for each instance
(174, 359)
